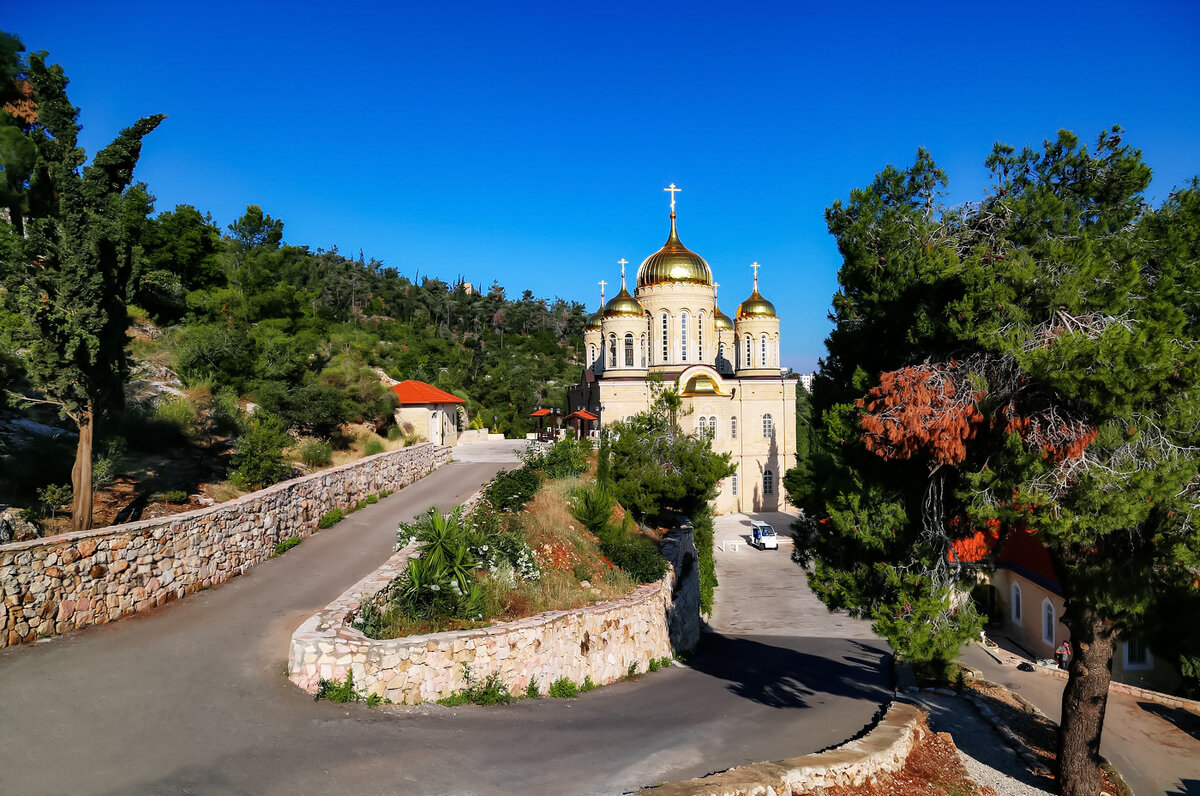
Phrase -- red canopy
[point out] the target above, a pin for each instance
(540, 412)
(582, 414)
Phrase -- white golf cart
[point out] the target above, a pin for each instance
(764, 537)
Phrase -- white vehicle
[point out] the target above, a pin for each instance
(764, 536)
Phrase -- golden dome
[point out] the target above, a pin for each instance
(756, 306)
(595, 320)
(700, 385)
(623, 305)
(674, 262)
(720, 319)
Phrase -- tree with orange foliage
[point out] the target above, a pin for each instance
(1025, 363)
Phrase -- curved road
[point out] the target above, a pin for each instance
(192, 698)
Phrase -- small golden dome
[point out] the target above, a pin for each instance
(674, 262)
(623, 305)
(756, 306)
(700, 385)
(721, 320)
(595, 320)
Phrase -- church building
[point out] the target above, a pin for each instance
(727, 370)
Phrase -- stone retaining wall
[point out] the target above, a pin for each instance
(600, 641)
(883, 750)
(66, 582)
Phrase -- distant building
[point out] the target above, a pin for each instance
(428, 411)
(806, 381)
(726, 370)
(1030, 602)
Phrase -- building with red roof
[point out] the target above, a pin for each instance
(1029, 599)
(427, 411)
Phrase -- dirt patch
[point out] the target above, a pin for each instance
(932, 769)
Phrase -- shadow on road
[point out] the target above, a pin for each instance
(763, 671)
(1189, 787)
(1182, 719)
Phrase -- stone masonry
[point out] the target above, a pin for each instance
(66, 582)
(600, 641)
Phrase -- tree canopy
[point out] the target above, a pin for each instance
(1023, 364)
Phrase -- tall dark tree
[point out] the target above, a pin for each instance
(76, 257)
(1024, 364)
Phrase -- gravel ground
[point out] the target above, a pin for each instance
(988, 759)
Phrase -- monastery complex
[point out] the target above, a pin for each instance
(727, 370)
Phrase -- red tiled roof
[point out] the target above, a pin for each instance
(1024, 554)
(540, 412)
(418, 392)
(582, 414)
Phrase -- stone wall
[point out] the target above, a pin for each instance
(884, 750)
(67, 582)
(600, 641)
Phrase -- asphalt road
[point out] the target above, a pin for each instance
(1156, 748)
(192, 698)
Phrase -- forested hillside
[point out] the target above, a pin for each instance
(155, 330)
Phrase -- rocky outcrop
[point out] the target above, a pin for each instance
(66, 582)
(14, 528)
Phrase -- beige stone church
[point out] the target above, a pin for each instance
(726, 370)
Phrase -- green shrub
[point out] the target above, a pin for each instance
(394, 433)
(331, 518)
(532, 691)
(652, 666)
(337, 690)
(373, 447)
(371, 499)
(564, 688)
(490, 692)
(512, 489)
(106, 465)
(587, 685)
(593, 506)
(563, 459)
(50, 499)
(180, 413)
(664, 662)
(258, 458)
(440, 582)
(176, 496)
(632, 671)
(637, 555)
(286, 544)
(317, 454)
(702, 525)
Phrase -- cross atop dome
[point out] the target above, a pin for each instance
(602, 284)
(672, 190)
(755, 266)
(623, 262)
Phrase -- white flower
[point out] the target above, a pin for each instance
(435, 587)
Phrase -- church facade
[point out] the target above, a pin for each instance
(727, 370)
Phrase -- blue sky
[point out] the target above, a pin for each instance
(530, 143)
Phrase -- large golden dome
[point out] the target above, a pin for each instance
(623, 305)
(674, 262)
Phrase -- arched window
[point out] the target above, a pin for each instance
(712, 426)
(768, 482)
(666, 339)
(762, 362)
(768, 426)
(747, 350)
(733, 428)
(591, 355)
(737, 358)
(629, 349)
(700, 338)
(642, 351)
(733, 483)
(1048, 621)
(1016, 603)
(721, 352)
(612, 350)
(703, 425)
(683, 319)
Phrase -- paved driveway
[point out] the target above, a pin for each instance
(192, 698)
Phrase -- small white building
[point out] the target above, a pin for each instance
(431, 412)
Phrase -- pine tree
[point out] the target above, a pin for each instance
(76, 262)
(1022, 364)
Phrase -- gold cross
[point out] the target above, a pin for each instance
(602, 284)
(673, 190)
(623, 262)
(715, 286)
(755, 266)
